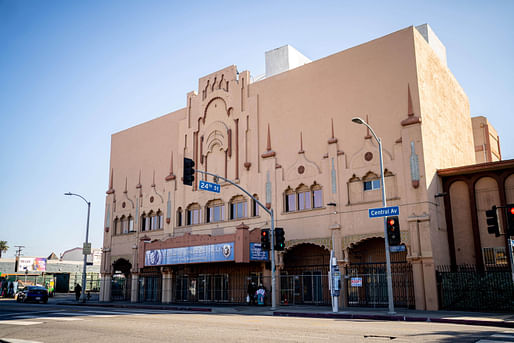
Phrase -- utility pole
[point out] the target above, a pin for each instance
(18, 253)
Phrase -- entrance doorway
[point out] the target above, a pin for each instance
(120, 282)
(304, 279)
(367, 277)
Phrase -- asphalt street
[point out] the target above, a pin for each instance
(56, 323)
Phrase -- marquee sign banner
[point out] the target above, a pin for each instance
(196, 254)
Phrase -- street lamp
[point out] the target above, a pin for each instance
(83, 296)
(358, 120)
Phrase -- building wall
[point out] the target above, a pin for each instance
(461, 218)
(447, 137)
(294, 130)
(487, 141)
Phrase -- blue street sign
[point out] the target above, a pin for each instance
(383, 211)
(209, 186)
(397, 248)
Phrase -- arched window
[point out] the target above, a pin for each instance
(255, 206)
(130, 224)
(215, 211)
(317, 196)
(156, 220)
(124, 225)
(371, 181)
(304, 198)
(290, 200)
(179, 216)
(115, 226)
(145, 221)
(194, 213)
(238, 207)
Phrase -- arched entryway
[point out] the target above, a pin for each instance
(367, 282)
(304, 277)
(120, 283)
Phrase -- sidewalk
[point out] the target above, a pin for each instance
(451, 317)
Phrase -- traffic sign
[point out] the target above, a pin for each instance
(397, 248)
(383, 212)
(209, 186)
(86, 249)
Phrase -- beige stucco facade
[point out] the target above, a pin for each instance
(289, 134)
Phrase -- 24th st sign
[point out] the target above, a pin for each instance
(383, 211)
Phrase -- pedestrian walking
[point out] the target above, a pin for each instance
(251, 292)
(77, 290)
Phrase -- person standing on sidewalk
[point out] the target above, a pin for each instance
(261, 293)
(77, 290)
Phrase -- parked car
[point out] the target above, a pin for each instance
(32, 293)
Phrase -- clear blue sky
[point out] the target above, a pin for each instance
(74, 72)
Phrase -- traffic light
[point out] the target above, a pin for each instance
(265, 243)
(189, 172)
(492, 221)
(393, 230)
(510, 219)
(280, 239)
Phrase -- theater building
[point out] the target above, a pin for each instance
(288, 139)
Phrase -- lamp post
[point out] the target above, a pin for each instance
(358, 120)
(83, 295)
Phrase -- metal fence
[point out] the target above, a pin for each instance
(306, 288)
(468, 289)
(92, 281)
(367, 285)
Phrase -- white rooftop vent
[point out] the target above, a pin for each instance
(283, 59)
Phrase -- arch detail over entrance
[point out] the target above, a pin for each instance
(121, 266)
(325, 243)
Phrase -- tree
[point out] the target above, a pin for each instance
(3, 247)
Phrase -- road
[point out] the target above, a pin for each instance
(55, 323)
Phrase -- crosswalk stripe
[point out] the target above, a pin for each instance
(503, 335)
(106, 312)
(18, 322)
(71, 314)
(59, 318)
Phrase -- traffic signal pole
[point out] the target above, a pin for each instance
(270, 212)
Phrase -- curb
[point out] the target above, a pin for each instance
(503, 324)
(146, 307)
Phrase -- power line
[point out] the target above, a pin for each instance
(19, 248)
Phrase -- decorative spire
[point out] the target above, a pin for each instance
(138, 186)
(410, 112)
(269, 152)
(332, 140)
(268, 145)
(111, 190)
(153, 179)
(301, 144)
(171, 176)
(125, 191)
(411, 118)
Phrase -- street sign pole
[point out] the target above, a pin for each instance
(270, 212)
(388, 255)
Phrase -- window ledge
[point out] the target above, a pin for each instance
(371, 201)
(305, 211)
